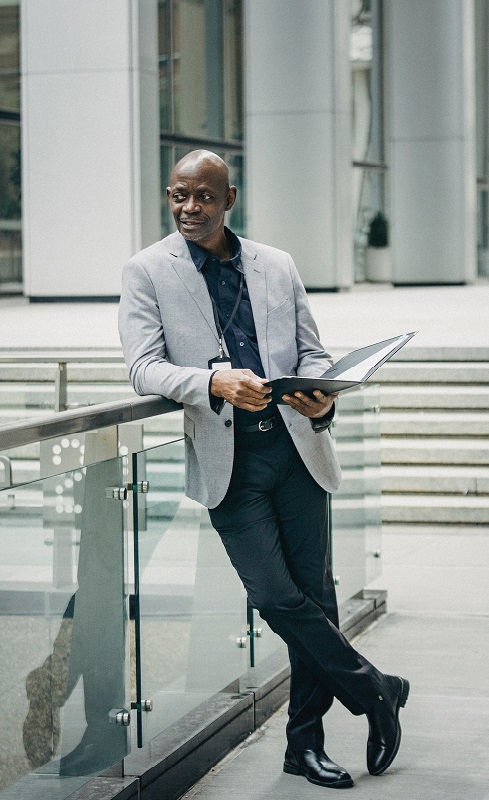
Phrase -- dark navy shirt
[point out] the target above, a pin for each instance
(223, 279)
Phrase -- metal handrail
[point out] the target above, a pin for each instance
(80, 420)
(61, 358)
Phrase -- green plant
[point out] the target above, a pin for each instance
(378, 232)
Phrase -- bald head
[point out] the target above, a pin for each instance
(202, 160)
(199, 195)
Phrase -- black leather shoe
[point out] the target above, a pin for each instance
(384, 728)
(317, 768)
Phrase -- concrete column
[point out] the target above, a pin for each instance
(431, 154)
(91, 189)
(299, 173)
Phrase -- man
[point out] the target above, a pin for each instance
(207, 318)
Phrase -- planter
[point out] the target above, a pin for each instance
(378, 264)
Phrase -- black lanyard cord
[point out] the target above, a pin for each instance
(221, 331)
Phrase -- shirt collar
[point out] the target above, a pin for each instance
(200, 255)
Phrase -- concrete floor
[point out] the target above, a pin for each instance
(436, 634)
(444, 316)
(437, 631)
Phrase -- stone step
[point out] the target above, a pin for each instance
(431, 450)
(435, 509)
(433, 372)
(435, 480)
(434, 423)
(434, 397)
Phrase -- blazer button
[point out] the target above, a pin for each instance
(228, 423)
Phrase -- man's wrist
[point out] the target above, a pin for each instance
(216, 403)
(324, 423)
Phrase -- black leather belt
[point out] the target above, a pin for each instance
(263, 425)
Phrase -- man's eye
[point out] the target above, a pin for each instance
(206, 197)
(178, 197)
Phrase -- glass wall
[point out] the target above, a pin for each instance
(366, 51)
(482, 132)
(10, 210)
(201, 89)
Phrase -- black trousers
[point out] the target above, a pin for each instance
(273, 523)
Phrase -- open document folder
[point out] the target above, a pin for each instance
(349, 371)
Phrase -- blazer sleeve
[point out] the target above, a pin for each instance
(143, 343)
(312, 358)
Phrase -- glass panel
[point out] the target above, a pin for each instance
(189, 67)
(167, 160)
(10, 210)
(22, 397)
(369, 193)
(356, 507)
(9, 55)
(483, 232)
(191, 620)
(165, 55)
(236, 217)
(366, 45)
(233, 69)
(63, 669)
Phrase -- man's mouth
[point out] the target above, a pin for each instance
(191, 222)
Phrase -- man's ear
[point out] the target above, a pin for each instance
(168, 193)
(231, 197)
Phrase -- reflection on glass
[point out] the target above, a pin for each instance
(356, 507)
(236, 217)
(9, 56)
(233, 69)
(165, 65)
(167, 160)
(483, 232)
(367, 120)
(10, 172)
(192, 609)
(189, 67)
(63, 631)
(10, 206)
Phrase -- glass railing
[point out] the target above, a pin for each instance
(356, 507)
(121, 616)
(190, 608)
(64, 630)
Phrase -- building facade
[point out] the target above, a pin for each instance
(329, 112)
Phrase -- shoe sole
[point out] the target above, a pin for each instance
(290, 769)
(401, 702)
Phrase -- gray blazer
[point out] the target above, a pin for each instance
(168, 335)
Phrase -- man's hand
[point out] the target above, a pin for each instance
(241, 388)
(314, 408)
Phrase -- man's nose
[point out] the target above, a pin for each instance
(191, 204)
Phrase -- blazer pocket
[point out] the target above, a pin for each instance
(282, 307)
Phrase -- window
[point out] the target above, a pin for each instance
(201, 94)
(367, 121)
(10, 206)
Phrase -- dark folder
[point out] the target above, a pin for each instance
(350, 371)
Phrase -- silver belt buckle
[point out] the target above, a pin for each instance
(266, 424)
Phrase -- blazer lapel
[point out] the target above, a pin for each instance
(194, 282)
(257, 288)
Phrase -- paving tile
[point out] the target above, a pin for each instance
(443, 755)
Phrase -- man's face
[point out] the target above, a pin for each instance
(199, 196)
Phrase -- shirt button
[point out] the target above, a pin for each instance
(241, 344)
(223, 283)
(228, 423)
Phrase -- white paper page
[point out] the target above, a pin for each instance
(358, 372)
